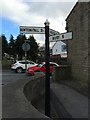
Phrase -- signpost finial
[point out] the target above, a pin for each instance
(46, 22)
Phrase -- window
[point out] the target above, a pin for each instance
(31, 62)
(63, 48)
(56, 50)
(22, 62)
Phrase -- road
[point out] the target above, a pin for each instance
(9, 76)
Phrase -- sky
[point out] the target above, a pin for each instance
(16, 13)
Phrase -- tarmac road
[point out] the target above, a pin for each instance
(9, 76)
(14, 103)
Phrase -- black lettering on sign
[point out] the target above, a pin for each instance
(30, 29)
(22, 29)
(35, 30)
(42, 30)
(57, 37)
(62, 36)
(53, 38)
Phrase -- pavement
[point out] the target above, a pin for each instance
(72, 103)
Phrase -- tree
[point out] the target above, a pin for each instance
(32, 53)
(12, 46)
(4, 44)
(18, 45)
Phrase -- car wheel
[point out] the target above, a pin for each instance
(19, 70)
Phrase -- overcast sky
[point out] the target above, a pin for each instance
(14, 13)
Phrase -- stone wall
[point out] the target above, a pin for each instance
(77, 22)
(34, 89)
(62, 72)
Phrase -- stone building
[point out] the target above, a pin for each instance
(78, 21)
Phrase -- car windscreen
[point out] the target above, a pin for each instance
(40, 65)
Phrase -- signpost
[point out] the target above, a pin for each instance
(26, 47)
(32, 30)
(63, 36)
(47, 78)
(50, 36)
(53, 32)
(36, 30)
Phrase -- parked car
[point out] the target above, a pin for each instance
(42, 68)
(31, 72)
(19, 66)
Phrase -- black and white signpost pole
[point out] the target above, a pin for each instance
(47, 77)
(25, 56)
(26, 47)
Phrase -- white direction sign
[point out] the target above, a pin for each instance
(32, 30)
(36, 30)
(62, 36)
(53, 32)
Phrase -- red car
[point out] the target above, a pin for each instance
(30, 72)
(41, 67)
